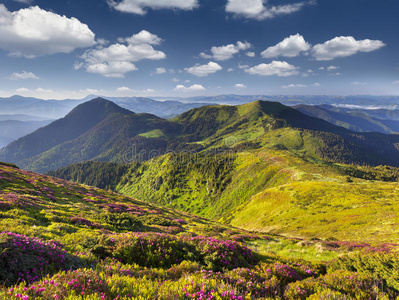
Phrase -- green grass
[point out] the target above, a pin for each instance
(306, 250)
(156, 133)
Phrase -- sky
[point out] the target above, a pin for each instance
(182, 48)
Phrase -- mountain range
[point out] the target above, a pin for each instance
(357, 113)
(361, 120)
(101, 130)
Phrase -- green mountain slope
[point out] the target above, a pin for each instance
(276, 191)
(77, 122)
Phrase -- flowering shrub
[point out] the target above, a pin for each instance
(162, 250)
(82, 282)
(382, 265)
(223, 254)
(147, 249)
(28, 259)
(347, 283)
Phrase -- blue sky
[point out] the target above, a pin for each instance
(69, 49)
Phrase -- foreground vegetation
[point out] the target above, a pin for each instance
(61, 240)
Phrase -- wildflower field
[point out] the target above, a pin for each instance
(61, 240)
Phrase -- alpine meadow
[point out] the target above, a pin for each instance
(199, 149)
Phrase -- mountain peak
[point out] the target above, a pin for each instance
(97, 108)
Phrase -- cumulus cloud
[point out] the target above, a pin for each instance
(118, 59)
(291, 46)
(38, 90)
(33, 32)
(299, 85)
(332, 68)
(41, 90)
(289, 86)
(344, 46)
(143, 37)
(250, 54)
(123, 89)
(259, 10)
(22, 90)
(23, 75)
(24, 1)
(204, 70)
(90, 91)
(279, 68)
(240, 86)
(139, 6)
(193, 88)
(226, 52)
(160, 71)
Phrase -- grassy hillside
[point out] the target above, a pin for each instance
(61, 240)
(277, 191)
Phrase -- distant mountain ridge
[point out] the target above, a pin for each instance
(55, 109)
(383, 121)
(101, 130)
(11, 130)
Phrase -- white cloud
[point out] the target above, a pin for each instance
(118, 59)
(89, 91)
(160, 71)
(240, 66)
(175, 79)
(299, 85)
(240, 86)
(143, 37)
(294, 86)
(344, 46)
(291, 46)
(138, 6)
(206, 56)
(22, 90)
(149, 91)
(258, 9)
(332, 68)
(23, 75)
(193, 88)
(33, 32)
(322, 68)
(358, 83)
(230, 70)
(226, 52)
(111, 69)
(123, 89)
(204, 70)
(41, 90)
(279, 68)
(24, 1)
(250, 54)
(102, 42)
